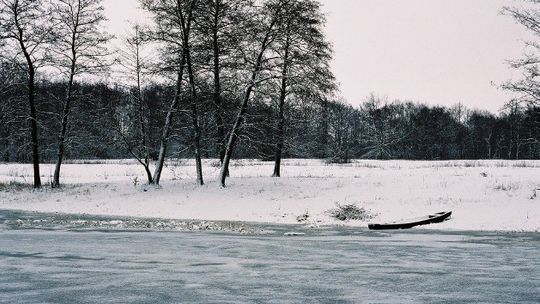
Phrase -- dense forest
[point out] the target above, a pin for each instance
(105, 125)
(216, 79)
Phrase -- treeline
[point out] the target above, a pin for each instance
(106, 126)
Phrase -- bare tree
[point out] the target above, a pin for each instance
(482, 126)
(341, 130)
(514, 116)
(166, 31)
(381, 133)
(265, 32)
(220, 27)
(185, 22)
(173, 21)
(305, 62)
(81, 49)
(25, 24)
(135, 64)
(528, 87)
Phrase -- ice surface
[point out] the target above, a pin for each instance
(338, 265)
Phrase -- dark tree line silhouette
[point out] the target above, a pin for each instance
(106, 125)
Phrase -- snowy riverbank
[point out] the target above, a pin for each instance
(484, 195)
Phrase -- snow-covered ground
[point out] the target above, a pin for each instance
(483, 195)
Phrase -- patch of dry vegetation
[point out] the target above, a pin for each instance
(13, 186)
(351, 211)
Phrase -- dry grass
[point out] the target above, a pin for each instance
(15, 186)
(347, 212)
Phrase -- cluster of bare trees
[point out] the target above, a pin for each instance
(219, 51)
(215, 58)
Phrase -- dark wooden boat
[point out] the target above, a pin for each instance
(406, 224)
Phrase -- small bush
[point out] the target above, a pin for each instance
(348, 212)
(215, 164)
(535, 194)
(303, 217)
(506, 187)
(14, 186)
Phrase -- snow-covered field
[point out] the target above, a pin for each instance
(483, 195)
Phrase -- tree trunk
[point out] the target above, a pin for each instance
(197, 143)
(323, 130)
(186, 27)
(141, 121)
(168, 123)
(488, 144)
(61, 138)
(148, 175)
(281, 116)
(63, 130)
(280, 142)
(195, 121)
(221, 136)
(143, 137)
(33, 113)
(233, 135)
(34, 128)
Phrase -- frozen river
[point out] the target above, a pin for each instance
(332, 265)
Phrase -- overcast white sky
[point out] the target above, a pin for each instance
(431, 51)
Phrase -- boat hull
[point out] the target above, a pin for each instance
(430, 219)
